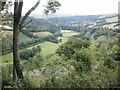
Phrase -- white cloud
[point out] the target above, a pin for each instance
(78, 7)
(89, 6)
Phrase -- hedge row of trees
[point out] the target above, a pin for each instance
(29, 53)
(7, 41)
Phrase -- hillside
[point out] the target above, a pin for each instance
(22, 38)
(108, 21)
(48, 48)
(65, 52)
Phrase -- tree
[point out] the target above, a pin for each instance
(19, 23)
(6, 14)
(69, 48)
(17, 16)
(2, 4)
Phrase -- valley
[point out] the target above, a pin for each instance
(47, 47)
(68, 51)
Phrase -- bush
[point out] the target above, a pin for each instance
(28, 53)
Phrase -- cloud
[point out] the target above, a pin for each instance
(77, 7)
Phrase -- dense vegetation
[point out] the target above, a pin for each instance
(86, 55)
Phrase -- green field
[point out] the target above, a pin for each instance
(24, 38)
(47, 47)
(42, 34)
(113, 19)
(7, 58)
(110, 25)
(66, 34)
(5, 33)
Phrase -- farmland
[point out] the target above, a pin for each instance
(22, 37)
(66, 52)
(110, 25)
(47, 47)
(42, 34)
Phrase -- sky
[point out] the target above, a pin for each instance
(77, 7)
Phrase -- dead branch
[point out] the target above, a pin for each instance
(27, 14)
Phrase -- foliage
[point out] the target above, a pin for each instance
(52, 6)
(7, 15)
(6, 75)
(6, 44)
(28, 53)
(68, 48)
(83, 61)
(7, 81)
(86, 57)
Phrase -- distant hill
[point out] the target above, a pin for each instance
(108, 21)
(74, 18)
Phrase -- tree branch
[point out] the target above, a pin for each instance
(28, 13)
(19, 11)
(26, 23)
(15, 7)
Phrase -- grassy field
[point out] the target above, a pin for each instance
(47, 47)
(110, 25)
(7, 58)
(42, 34)
(24, 38)
(5, 33)
(113, 19)
(66, 34)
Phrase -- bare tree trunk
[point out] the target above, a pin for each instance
(18, 25)
(14, 72)
(16, 63)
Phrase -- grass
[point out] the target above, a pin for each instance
(113, 19)
(5, 33)
(7, 58)
(66, 34)
(42, 34)
(110, 25)
(47, 47)
(24, 38)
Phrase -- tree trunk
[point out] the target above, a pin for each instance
(16, 63)
(18, 24)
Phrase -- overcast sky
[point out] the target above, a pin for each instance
(77, 7)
